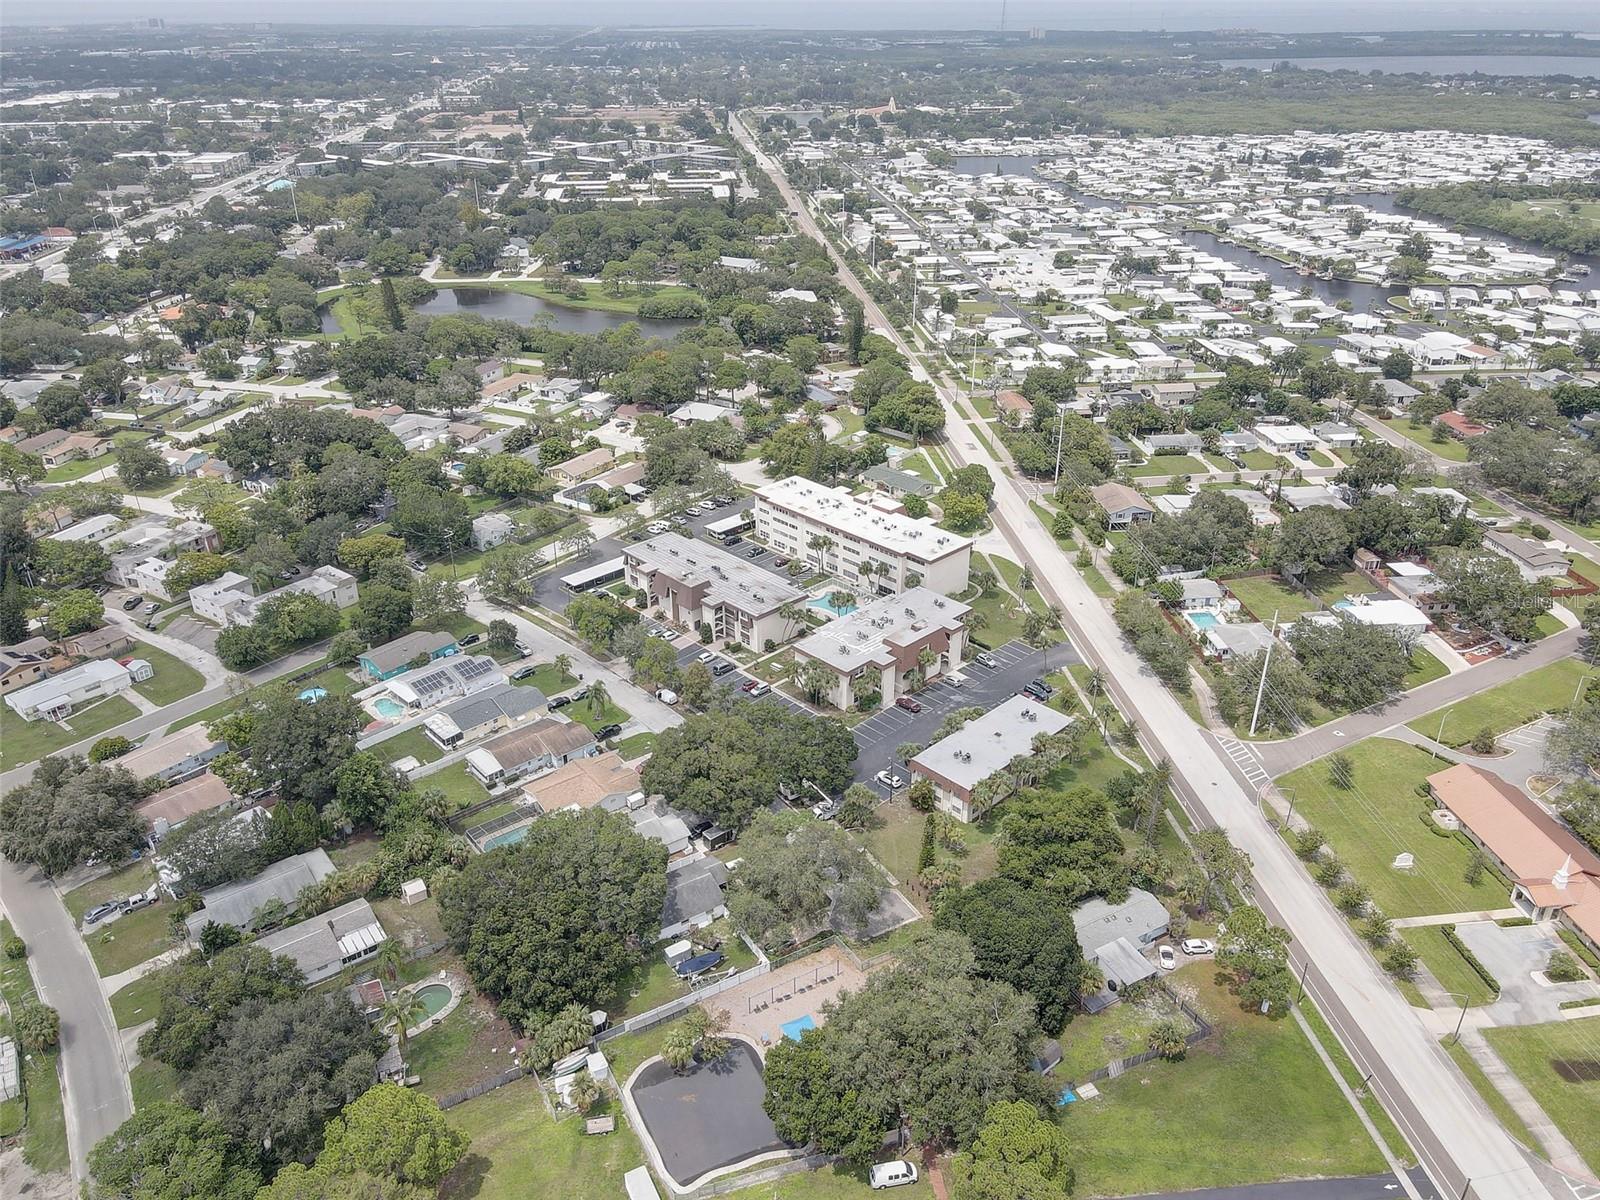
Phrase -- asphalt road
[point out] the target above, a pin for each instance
(1459, 1142)
(1360, 1187)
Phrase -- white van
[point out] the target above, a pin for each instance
(892, 1174)
(667, 696)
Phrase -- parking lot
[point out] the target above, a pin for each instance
(689, 649)
(985, 688)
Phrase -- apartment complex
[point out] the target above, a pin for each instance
(891, 646)
(957, 765)
(870, 539)
(693, 582)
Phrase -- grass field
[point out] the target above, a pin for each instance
(1382, 816)
(636, 745)
(1449, 449)
(1253, 1074)
(23, 741)
(152, 1082)
(173, 679)
(457, 785)
(1550, 688)
(548, 680)
(1264, 595)
(129, 940)
(1168, 464)
(1498, 1104)
(140, 1001)
(1452, 971)
(1560, 1064)
(519, 1150)
(38, 1112)
(413, 742)
(119, 884)
(1425, 668)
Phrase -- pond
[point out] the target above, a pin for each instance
(990, 164)
(501, 304)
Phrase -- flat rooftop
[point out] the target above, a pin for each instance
(866, 635)
(973, 753)
(732, 580)
(892, 532)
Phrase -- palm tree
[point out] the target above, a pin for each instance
(1095, 682)
(563, 665)
(821, 543)
(390, 958)
(400, 1012)
(598, 697)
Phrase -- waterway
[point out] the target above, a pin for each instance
(1440, 64)
(991, 164)
(1386, 203)
(501, 304)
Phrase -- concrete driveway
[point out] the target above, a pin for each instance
(1512, 954)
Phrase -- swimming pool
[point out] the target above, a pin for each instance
(509, 838)
(1201, 620)
(825, 603)
(387, 708)
(312, 694)
(434, 997)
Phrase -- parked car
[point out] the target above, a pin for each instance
(1167, 957)
(749, 685)
(151, 609)
(827, 810)
(524, 672)
(889, 779)
(1042, 686)
(754, 552)
(956, 680)
(581, 694)
(101, 911)
(141, 900)
(524, 650)
(1199, 946)
(286, 575)
(892, 1174)
(721, 667)
(910, 705)
(667, 696)
(472, 639)
(732, 539)
(704, 656)
(559, 702)
(987, 660)
(1036, 692)
(607, 731)
(761, 689)
(132, 602)
(780, 562)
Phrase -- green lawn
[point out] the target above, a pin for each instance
(457, 785)
(413, 742)
(469, 1045)
(1448, 966)
(1422, 435)
(1353, 1077)
(1560, 1064)
(548, 680)
(652, 982)
(1265, 594)
(1425, 668)
(1174, 1126)
(610, 714)
(152, 1082)
(173, 679)
(24, 741)
(119, 885)
(129, 940)
(1259, 460)
(38, 1112)
(636, 745)
(1168, 464)
(79, 467)
(519, 1151)
(140, 1001)
(1382, 816)
(1090, 1042)
(1498, 1104)
(1546, 625)
(1504, 707)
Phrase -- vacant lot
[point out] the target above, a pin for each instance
(1173, 1126)
(1560, 1064)
(1168, 464)
(1381, 815)
(1264, 595)
(173, 678)
(1499, 709)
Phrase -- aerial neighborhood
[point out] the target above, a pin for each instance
(584, 614)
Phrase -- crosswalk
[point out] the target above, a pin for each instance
(1530, 736)
(1245, 758)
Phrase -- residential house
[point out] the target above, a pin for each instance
(1114, 936)
(1199, 595)
(1337, 436)
(1533, 560)
(898, 483)
(1174, 443)
(155, 538)
(1286, 439)
(174, 758)
(958, 764)
(889, 647)
(328, 943)
(1013, 406)
(393, 658)
(441, 680)
(24, 663)
(491, 530)
(582, 466)
(98, 528)
(213, 601)
(595, 780)
(1229, 640)
(696, 583)
(1122, 505)
(1554, 875)
(480, 714)
(328, 584)
(172, 806)
(105, 642)
(545, 744)
(277, 886)
(694, 895)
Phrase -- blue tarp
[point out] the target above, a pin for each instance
(697, 964)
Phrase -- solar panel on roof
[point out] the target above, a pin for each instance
(432, 682)
(473, 668)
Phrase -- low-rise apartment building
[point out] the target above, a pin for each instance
(693, 582)
(889, 647)
(958, 765)
(871, 539)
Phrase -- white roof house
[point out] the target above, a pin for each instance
(54, 698)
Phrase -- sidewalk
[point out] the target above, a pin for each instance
(1562, 1153)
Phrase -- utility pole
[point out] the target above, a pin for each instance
(1061, 433)
(1262, 686)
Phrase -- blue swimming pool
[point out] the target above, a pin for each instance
(387, 708)
(793, 1029)
(826, 604)
(1201, 620)
(509, 838)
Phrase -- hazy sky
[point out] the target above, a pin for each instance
(1284, 15)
